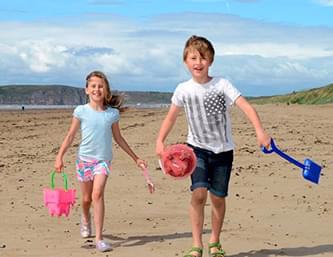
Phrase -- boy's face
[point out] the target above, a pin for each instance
(198, 65)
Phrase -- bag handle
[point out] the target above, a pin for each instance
(64, 176)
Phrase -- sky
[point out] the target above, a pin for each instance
(264, 47)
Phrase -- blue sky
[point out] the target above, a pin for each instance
(264, 47)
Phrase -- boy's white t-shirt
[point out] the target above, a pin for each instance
(207, 112)
(96, 132)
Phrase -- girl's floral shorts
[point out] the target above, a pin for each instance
(86, 170)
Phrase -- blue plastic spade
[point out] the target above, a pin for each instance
(311, 170)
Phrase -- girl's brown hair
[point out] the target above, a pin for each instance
(202, 45)
(114, 101)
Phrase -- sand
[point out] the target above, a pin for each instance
(271, 209)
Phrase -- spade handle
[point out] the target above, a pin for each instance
(282, 154)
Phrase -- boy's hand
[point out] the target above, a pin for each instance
(263, 139)
(159, 148)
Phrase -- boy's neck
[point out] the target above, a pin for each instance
(202, 80)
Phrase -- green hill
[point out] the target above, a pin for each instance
(321, 95)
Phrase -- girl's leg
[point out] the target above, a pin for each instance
(86, 189)
(98, 201)
(218, 213)
(198, 201)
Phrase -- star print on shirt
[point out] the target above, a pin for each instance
(214, 103)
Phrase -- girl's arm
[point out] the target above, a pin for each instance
(166, 127)
(123, 144)
(59, 164)
(262, 137)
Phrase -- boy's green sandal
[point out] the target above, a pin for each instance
(194, 252)
(219, 253)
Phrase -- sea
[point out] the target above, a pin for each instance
(13, 107)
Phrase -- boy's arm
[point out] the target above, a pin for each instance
(262, 137)
(166, 127)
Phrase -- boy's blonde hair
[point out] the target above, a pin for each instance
(202, 45)
(115, 101)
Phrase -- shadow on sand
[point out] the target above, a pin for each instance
(137, 240)
(292, 251)
(142, 240)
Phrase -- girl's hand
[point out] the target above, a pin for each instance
(59, 164)
(141, 163)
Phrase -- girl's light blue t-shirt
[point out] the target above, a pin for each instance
(96, 132)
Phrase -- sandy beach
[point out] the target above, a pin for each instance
(271, 209)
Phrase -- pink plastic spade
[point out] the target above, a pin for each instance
(150, 184)
(178, 161)
(59, 200)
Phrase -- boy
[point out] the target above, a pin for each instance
(206, 101)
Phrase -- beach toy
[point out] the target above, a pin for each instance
(150, 184)
(311, 170)
(59, 200)
(178, 161)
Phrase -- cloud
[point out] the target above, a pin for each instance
(325, 2)
(12, 11)
(41, 56)
(223, 1)
(270, 49)
(246, 1)
(88, 51)
(206, 1)
(259, 57)
(106, 2)
(256, 74)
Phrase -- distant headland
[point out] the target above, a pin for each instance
(68, 95)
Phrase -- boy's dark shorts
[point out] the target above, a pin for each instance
(212, 171)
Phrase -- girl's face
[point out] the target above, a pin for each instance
(198, 66)
(95, 90)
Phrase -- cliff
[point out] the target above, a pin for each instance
(66, 95)
(42, 95)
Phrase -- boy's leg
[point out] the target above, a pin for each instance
(219, 177)
(98, 201)
(198, 201)
(218, 213)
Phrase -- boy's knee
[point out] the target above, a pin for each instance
(218, 201)
(199, 197)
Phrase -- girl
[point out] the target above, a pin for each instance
(99, 122)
